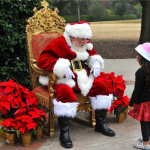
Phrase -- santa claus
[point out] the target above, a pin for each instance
(74, 61)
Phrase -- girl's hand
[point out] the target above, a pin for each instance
(130, 108)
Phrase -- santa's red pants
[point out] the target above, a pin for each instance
(64, 93)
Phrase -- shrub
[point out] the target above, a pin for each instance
(13, 51)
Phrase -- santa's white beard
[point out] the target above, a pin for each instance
(78, 48)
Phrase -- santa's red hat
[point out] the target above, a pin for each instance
(81, 29)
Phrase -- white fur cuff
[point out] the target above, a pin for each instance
(94, 57)
(65, 109)
(69, 82)
(60, 67)
(44, 80)
(101, 102)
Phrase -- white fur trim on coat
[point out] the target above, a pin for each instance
(94, 57)
(89, 46)
(69, 82)
(44, 80)
(101, 102)
(60, 67)
(84, 82)
(65, 109)
(81, 55)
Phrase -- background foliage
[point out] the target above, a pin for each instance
(13, 51)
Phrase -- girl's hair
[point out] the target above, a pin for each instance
(145, 65)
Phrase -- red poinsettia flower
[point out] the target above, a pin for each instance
(31, 99)
(4, 104)
(8, 123)
(123, 101)
(21, 110)
(120, 83)
(25, 123)
(10, 86)
(38, 114)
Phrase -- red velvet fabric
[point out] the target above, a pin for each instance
(64, 93)
(42, 90)
(141, 112)
(40, 41)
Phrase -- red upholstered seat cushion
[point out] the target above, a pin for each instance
(40, 41)
(42, 95)
(42, 90)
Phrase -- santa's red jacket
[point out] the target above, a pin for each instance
(57, 56)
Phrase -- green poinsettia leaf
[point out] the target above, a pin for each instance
(1, 129)
(34, 132)
(18, 133)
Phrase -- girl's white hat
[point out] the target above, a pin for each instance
(144, 50)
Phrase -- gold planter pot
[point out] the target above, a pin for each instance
(122, 116)
(39, 132)
(26, 139)
(2, 133)
(10, 139)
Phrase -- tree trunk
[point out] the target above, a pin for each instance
(78, 11)
(145, 24)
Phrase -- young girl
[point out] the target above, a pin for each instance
(139, 106)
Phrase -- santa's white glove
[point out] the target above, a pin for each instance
(96, 68)
(69, 74)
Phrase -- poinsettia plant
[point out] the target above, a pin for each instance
(18, 106)
(38, 115)
(9, 125)
(116, 86)
(25, 124)
(119, 105)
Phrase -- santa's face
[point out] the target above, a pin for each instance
(79, 44)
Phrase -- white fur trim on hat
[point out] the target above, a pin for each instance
(69, 82)
(60, 67)
(89, 46)
(142, 52)
(84, 82)
(65, 109)
(94, 57)
(44, 80)
(79, 30)
(101, 102)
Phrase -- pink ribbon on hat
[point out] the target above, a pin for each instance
(146, 47)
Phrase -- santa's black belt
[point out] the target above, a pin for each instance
(78, 65)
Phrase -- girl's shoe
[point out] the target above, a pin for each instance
(141, 139)
(147, 147)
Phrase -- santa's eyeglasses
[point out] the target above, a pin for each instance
(83, 39)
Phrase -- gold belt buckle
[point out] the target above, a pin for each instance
(74, 67)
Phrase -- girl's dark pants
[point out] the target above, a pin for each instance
(145, 129)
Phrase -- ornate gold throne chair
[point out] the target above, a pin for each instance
(41, 29)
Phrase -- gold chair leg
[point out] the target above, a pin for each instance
(52, 119)
(92, 118)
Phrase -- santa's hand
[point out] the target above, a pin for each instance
(69, 74)
(96, 68)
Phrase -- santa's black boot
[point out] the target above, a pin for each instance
(64, 137)
(100, 123)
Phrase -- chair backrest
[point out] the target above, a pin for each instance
(41, 29)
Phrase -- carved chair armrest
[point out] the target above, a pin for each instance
(51, 75)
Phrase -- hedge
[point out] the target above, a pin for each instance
(13, 51)
(90, 18)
